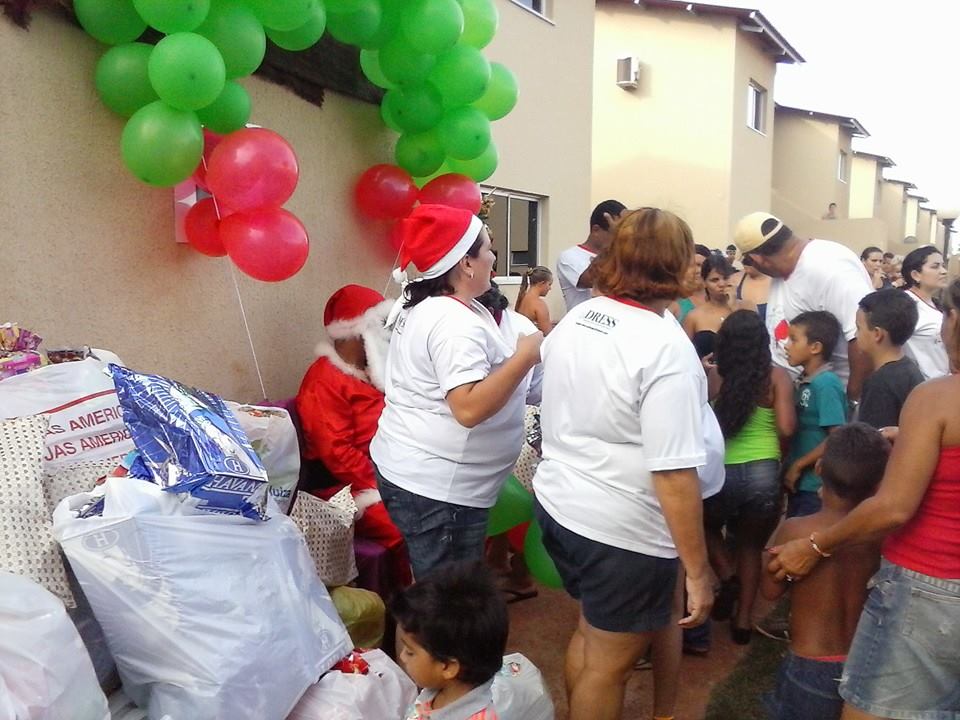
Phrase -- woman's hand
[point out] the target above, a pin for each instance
(700, 596)
(792, 560)
(890, 433)
(528, 347)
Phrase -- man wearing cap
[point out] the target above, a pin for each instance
(808, 274)
(573, 262)
(339, 406)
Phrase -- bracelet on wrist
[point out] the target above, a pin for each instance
(817, 549)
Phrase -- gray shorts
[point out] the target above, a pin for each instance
(905, 659)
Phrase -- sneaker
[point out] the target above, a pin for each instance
(725, 600)
(775, 628)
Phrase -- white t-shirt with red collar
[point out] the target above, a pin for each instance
(925, 346)
(436, 346)
(570, 266)
(828, 276)
(623, 396)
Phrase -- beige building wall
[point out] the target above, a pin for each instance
(865, 178)
(89, 251)
(669, 142)
(893, 212)
(805, 159)
(924, 216)
(911, 218)
(934, 224)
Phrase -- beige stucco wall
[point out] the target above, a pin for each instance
(805, 157)
(865, 175)
(855, 233)
(89, 252)
(893, 211)
(667, 143)
(924, 216)
(911, 218)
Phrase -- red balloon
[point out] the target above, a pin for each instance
(252, 168)
(202, 227)
(268, 244)
(385, 191)
(454, 190)
(210, 141)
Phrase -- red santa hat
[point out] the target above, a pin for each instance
(434, 238)
(355, 311)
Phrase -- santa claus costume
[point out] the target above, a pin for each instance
(339, 405)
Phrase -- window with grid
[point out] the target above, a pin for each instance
(514, 222)
(756, 107)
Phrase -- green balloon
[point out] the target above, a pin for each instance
(305, 36)
(283, 14)
(514, 507)
(386, 113)
(357, 26)
(390, 13)
(464, 132)
(172, 16)
(443, 170)
(228, 112)
(462, 75)
(370, 64)
(161, 145)
(187, 71)
(480, 168)
(238, 35)
(432, 26)
(480, 20)
(402, 64)
(538, 560)
(419, 153)
(342, 6)
(415, 109)
(121, 78)
(110, 21)
(501, 95)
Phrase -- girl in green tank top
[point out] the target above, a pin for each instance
(754, 407)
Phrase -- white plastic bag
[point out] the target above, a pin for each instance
(45, 672)
(86, 422)
(207, 616)
(519, 692)
(274, 438)
(384, 693)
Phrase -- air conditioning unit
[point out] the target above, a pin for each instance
(628, 73)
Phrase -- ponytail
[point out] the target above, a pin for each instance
(533, 276)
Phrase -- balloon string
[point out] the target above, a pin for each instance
(236, 286)
(389, 274)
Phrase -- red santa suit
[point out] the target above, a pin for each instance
(339, 407)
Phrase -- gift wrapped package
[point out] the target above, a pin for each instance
(328, 529)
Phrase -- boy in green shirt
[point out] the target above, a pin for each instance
(821, 403)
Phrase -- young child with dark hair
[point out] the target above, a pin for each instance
(821, 403)
(885, 321)
(452, 632)
(826, 605)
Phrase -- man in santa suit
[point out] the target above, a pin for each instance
(339, 405)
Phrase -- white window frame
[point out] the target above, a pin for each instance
(543, 9)
(757, 107)
(504, 194)
(843, 166)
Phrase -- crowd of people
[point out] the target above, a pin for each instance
(686, 406)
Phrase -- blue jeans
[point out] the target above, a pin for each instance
(437, 533)
(806, 690)
(905, 658)
(803, 502)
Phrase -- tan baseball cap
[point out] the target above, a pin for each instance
(755, 229)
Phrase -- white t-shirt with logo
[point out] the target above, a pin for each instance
(925, 346)
(436, 346)
(570, 266)
(828, 276)
(623, 396)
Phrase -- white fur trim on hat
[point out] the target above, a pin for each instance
(365, 499)
(457, 252)
(326, 350)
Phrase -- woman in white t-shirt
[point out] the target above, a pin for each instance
(618, 496)
(452, 426)
(925, 275)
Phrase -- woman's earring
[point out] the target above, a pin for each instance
(471, 276)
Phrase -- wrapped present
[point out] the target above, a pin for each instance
(328, 529)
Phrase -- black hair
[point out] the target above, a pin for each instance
(854, 459)
(457, 613)
(822, 327)
(833, 204)
(892, 310)
(716, 262)
(888, 256)
(702, 250)
(419, 290)
(731, 246)
(493, 299)
(867, 252)
(775, 244)
(608, 207)
(743, 360)
(914, 261)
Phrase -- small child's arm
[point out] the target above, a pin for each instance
(770, 587)
(793, 473)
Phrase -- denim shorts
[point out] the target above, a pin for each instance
(905, 659)
(806, 690)
(619, 590)
(751, 489)
(436, 533)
